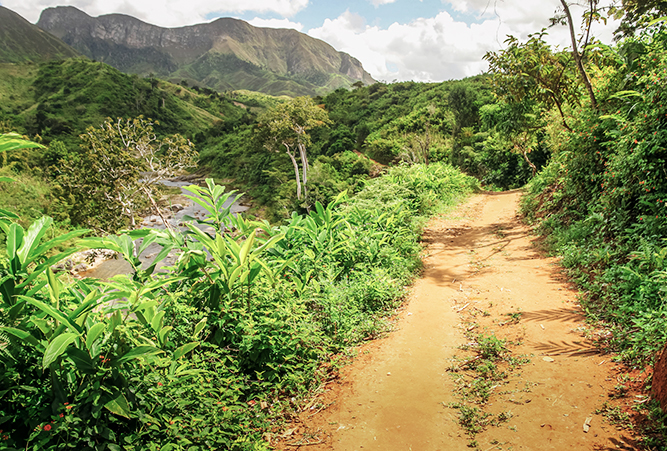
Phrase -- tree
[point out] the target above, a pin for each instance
(116, 168)
(286, 128)
(592, 14)
(637, 14)
(462, 100)
(533, 70)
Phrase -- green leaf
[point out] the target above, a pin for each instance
(32, 238)
(162, 336)
(180, 352)
(52, 312)
(54, 286)
(245, 250)
(119, 406)
(82, 360)
(156, 323)
(23, 335)
(6, 213)
(139, 351)
(57, 346)
(14, 242)
(198, 328)
(93, 334)
(14, 141)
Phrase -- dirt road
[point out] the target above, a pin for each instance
(483, 276)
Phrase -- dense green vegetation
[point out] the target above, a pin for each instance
(212, 353)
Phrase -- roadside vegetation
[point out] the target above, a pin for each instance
(214, 352)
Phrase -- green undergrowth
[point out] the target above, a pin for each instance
(477, 379)
(602, 201)
(217, 350)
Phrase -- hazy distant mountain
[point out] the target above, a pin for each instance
(22, 41)
(224, 54)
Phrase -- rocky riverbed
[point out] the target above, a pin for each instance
(104, 264)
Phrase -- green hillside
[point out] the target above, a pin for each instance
(61, 99)
(21, 41)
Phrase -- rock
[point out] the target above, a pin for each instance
(177, 207)
(659, 386)
(547, 359)
(81, 267)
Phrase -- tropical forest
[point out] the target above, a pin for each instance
(268, 235)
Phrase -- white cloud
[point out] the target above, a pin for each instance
(166, 13)
(275, 23)
(377, 3)
(441, 48)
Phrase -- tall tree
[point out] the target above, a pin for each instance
(532, 69)
(591, 14)
(286, 128)
(116, 169)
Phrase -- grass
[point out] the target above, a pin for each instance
(477, 379)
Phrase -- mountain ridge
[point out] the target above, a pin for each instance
(21, 41)
(214, 54)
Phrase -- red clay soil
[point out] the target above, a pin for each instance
(481, 266)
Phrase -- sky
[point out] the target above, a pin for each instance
(395, 40)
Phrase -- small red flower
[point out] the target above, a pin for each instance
(47, 427)
(62, 415)
(159, 384)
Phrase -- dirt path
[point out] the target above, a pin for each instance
(482, 275)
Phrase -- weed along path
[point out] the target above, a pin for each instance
(489, 352)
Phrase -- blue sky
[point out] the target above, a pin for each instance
(427, 40)
(400, 11)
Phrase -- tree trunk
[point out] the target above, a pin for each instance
(296, 173)
(530, 163)
(148, 194)
(304, 164)
(577, 56)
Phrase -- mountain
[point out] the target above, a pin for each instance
(21, 41)
(226, 54)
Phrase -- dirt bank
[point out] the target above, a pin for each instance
(483, 275)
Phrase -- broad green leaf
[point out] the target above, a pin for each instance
(93, 334)
(23, 335)
(89, 302)
(180, 352)
(119, 406)
(56, 347)
(139, 351)
(245, 249)
(52, 312)
(14, 241)
(54, 286)
(6, 213)
(32, 238)
(162, 335)
(81, 359)
(156, 323)
(254, 271)
(199, 327)
(14, 141)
